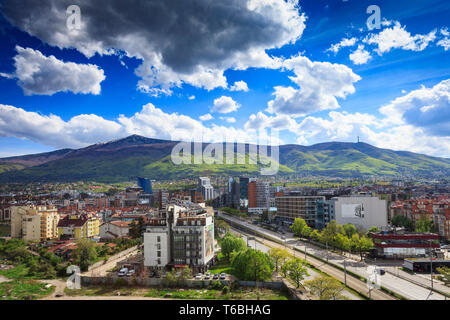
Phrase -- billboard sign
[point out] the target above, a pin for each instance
(352, 210)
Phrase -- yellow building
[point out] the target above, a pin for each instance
(34, 223)
(79, 226)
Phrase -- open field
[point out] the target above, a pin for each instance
(163, 293)
(24, 290)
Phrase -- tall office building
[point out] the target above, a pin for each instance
(293, 206)
(145, 184)
(258, 196)
(205, 188)
(243, 185)
(234, 193)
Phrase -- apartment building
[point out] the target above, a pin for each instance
(34, 223)
(183, 236)
(79, 226)
(115, 229)
(5, 213)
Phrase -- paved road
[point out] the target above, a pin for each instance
(101, 271)
(352, 282)
(405, 288)
(266, 247)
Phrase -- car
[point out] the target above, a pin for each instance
(131, 273)
(199, 276)
(208, 276)
(58, 295)
(123, 272)
(381, 271)
(216, 276)
(223, 276)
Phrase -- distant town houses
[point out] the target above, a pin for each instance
(79, 226)
(115, 229)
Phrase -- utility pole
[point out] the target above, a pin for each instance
(327, 251)
(431, 265)
(345, 272)
(305, 252)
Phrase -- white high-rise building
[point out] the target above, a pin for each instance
(205, 188)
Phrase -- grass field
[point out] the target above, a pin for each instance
(24, 290)
(202, 294)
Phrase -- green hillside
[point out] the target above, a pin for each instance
(127, 158)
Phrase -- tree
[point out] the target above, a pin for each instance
(402, 221)
(342, 242)
(252, 265)
(424, 224)
(445, 274)
(329, 232)
(296, 270)
(326, 288)
(278, 256)
(298, 225)
(306, 232)
(231, 243)
(85, 253)
(136, 228)
(315, 235)
(185, 273)
(361, 244)
(373, 229)
(349, 230)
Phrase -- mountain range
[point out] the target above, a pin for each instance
(127, 158)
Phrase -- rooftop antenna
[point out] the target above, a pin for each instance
(358, 139)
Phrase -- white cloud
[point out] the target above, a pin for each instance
(360, 56)
(398, 38)
(83, 130)
(445, 32)
(228, 119)
(343, 43)
(191, 98)
(445, 43)
(41, 75)
(179, 42)
(427, 108)
(206, 117)
(225, 104)
(262, 121)
(320, 84)
(239, 86)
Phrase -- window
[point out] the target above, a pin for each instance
(159, 254)
(158, 239)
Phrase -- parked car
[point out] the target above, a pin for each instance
(199, 276)
(216, 276)
(131, 273)
(123, 272)
(208, 276)
(223, 276)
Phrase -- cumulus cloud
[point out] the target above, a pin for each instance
(87, 129)
(319, 86)
(261, 121)
(228, 119)
(343, 43)
(239, 86)
(225, 104)
(41, 75)
(191, 98)
(360, 56)
(445, 43)
(179, 42)
(427, 108)
(398, 38)
(206, 117)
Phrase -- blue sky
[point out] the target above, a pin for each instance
(250, 65)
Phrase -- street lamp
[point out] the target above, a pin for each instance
(345, 272)
(327, 251)
(431, 265)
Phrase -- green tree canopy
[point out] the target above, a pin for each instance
(424, 224)
(278, 256)
(231, 243)
(298, 225)
(326, 288)
(402, 221)
(349, 229)
(252, 265)
(295, 270)
(85, 253)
